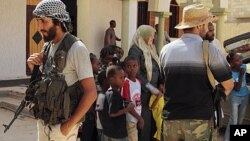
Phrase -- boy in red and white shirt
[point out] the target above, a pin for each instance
(131, 92)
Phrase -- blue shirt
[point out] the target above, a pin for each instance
(243, 90)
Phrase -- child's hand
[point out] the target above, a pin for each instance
(242, 71)
(141, 123)
(159, 95)
(130, 106)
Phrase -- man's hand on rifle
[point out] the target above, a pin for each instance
(34, 59)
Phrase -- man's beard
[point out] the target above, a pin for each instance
(51, 33)
(209, 38)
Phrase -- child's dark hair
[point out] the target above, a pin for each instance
(230, 57)
(101, 78)
(129, 58)
(92, 57)
(106, 51)
(111, 70)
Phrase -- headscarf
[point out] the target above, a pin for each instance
(140, 39)
(52, 8)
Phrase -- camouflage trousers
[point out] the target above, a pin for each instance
(188, 130)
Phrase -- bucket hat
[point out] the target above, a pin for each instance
(194, 15)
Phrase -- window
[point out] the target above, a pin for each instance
(143, 14)
(174, 19)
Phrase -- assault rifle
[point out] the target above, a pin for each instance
(29, 97)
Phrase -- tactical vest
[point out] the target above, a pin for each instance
(54, 100)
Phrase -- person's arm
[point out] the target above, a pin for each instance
(237, 85)
(100, 114)
(89, 90)
(167, 37)
(220, 69)
(99, 106)
(158, 96)
(228, 86)
(79, 56)
(35, 59)
(122, 111)
(117, 39)
(138, 117)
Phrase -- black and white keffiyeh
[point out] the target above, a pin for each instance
(52, 8)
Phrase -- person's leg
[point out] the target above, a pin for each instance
(147, 133)
(56, 134)
(132, 131)
(242, 109)
(172, 130)
(196, 130)
(87, 129)
(122, 139)
(106, 138)
(100, 135)
(233, 119)
(43, 131)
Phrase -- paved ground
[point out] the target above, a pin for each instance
(24, 128)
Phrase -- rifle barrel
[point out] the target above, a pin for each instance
(18, 111)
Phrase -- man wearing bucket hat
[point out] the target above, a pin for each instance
(188, 93)
(54, 25)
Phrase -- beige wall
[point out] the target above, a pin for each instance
(236, 22)
(12, 39)
(94, 20)
(240, 11)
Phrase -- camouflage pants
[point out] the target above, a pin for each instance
(187, 130)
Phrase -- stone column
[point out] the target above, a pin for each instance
(129, 23)
(161, 24)
(220, 9)
(220, 26)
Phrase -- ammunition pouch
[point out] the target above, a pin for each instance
(54, 101)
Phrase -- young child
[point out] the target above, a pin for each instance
(114, 111)
(240, 93)
(89, 125)
(132, 92)
(106, 57)
(100, 105)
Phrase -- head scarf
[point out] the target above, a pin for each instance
(140, 39)
(55, 9)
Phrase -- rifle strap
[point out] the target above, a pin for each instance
(65, 45)
(205, 45)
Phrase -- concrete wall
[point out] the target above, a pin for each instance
(239, 10)
(238, 20)
(93, 20)
(12, 39)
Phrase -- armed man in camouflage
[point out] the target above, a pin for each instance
(188, 109)
(54, 24)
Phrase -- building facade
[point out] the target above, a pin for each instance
(19, 37)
